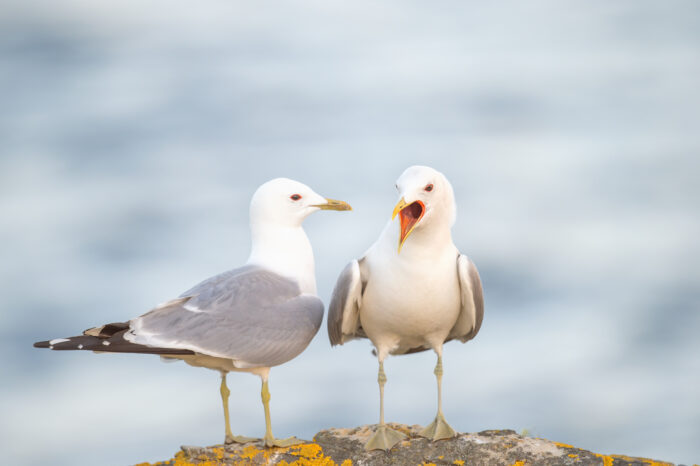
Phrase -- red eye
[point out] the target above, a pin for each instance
(429, 187)
(295, 197)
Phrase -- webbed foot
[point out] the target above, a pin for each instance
(239, 439)
(384, 438)
(439, 429)
(270, 441)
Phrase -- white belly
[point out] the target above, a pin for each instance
(405, 308)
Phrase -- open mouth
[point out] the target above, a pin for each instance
(409, 216)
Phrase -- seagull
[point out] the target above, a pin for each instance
(412, 291)
(248, 319)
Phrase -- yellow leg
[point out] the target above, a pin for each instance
(270, 440)
(230, 438)
(438, 429)
(384, 438)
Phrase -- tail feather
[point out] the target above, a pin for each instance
(108, 339)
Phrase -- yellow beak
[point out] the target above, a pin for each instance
(397, 209)
(332, 204)
(408, 218)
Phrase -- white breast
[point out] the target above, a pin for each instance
(410, 300)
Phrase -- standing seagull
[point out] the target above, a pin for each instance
(245, 320)
(410, 295)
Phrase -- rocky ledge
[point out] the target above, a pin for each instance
(345, 447)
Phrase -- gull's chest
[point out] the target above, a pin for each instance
(411, 302)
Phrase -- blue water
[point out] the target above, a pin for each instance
(132, 136)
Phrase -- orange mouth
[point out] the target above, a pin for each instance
(410, 216)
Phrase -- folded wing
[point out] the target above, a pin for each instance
(344, 310)
(472, 297)
(250, 315)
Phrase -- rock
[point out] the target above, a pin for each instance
(345, 447)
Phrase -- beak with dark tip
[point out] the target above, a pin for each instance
(409, 215)
(332, 204)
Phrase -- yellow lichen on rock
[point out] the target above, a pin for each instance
(646, 461)
(607, 460)
(563, 445)
(310, 454)
(345, 447)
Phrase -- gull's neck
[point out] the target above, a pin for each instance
(285, 250)
(426, 243)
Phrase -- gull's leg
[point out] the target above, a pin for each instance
(230, 438)
(438, 429)
(384, 438)
(270, 440)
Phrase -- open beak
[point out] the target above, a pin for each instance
(332, 204)
(409, 215)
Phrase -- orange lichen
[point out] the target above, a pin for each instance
(519, 463)
(458, 462)
(573, 455)
(646, 461)
(563, 445)
(182, 460)
(250, 452)
(310, 454)
(608, 460)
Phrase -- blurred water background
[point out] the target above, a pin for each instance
(132, 135)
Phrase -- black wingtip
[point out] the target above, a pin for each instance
(41, 344)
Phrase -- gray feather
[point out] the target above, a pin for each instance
(335, 309)
(344, 306)
(478, 293)
(472, 312)
(250, 314)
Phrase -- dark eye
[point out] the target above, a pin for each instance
(429, 187)
(295, 197)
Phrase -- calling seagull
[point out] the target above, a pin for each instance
(411, 291)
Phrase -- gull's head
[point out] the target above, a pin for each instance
(425, 198)
(287, 202)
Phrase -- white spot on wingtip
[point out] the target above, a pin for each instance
(50, 346)
(80, 346)
(106, 343)
(56, 341)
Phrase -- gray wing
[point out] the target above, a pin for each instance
(250, 315)
(344, 310)
(472, 296)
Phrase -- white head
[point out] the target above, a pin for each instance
(426, 199)
(279, 243)
(286, 202)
